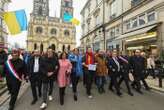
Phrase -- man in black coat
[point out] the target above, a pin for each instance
(124, 73)
(138, 66)
(51, 65)
(35, 71)
(114, 68)
(14, 77)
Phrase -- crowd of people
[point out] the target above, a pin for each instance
(66, 69)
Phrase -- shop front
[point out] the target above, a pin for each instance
(145, 39)
(145, 42)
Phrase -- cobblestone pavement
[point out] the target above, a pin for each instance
(109, 101)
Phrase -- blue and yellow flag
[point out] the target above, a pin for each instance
(75, 21)
(69, 18)
(16, 21)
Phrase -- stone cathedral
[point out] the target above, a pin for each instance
(45, 31)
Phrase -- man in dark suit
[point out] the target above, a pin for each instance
(124, 73)
(15, 72)
(35, 71)
(114, 68)
(138, 66)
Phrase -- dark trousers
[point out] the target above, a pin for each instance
(125, 78)
(61, 94)
(137, 84)
(51, 85)
(74, 80)
(47, 89)
(84, 78)
(13, 87)
(89, 80)
(100, 81)
(114, 82)
(36, 83)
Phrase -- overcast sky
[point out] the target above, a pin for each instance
(54, 9)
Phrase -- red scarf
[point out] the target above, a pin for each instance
(89, 58)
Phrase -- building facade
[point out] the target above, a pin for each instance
(45, 31)
(92, 25)
(133, 24)
(3, 32)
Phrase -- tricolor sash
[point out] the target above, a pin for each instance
(123, 59)
(12, 70)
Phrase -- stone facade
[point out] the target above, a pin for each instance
(3, 32)
(129, 24)
(45, 31)
(92, 21)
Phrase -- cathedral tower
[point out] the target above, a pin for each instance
(66, 7)
(41, 8)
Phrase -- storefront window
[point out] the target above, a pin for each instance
(151, 16)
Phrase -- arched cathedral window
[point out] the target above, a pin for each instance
(39, 30)
(53, 31)
(66, 33)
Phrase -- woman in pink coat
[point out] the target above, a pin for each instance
(63, 75)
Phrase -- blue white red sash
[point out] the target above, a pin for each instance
(122, 58)
(12, 70)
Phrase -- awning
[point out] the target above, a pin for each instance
(138, 32)
(134, 48)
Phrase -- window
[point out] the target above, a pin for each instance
(53, 31)
(142, 20)
(1, 23)
(113, 8)
(35, 46)
(40, 11)
(98, 1)
(117, 30)
(135, 2)
(41, 47)
(39, 30)
(67, 4)
(151, 16)
(128, 25)
(134, 23)
(63, 48)
(112, 32)
(97, 20)
(88, 9)
(66, 33)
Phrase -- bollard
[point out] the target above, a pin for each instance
(160, 82)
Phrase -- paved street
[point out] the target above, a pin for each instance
(149, 101)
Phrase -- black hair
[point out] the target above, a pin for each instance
(62, 55)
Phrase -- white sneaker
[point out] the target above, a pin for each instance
(70, 86)
(50, 98)
(43, 106)
(90, 96)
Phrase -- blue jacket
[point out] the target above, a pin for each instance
(76, 61)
